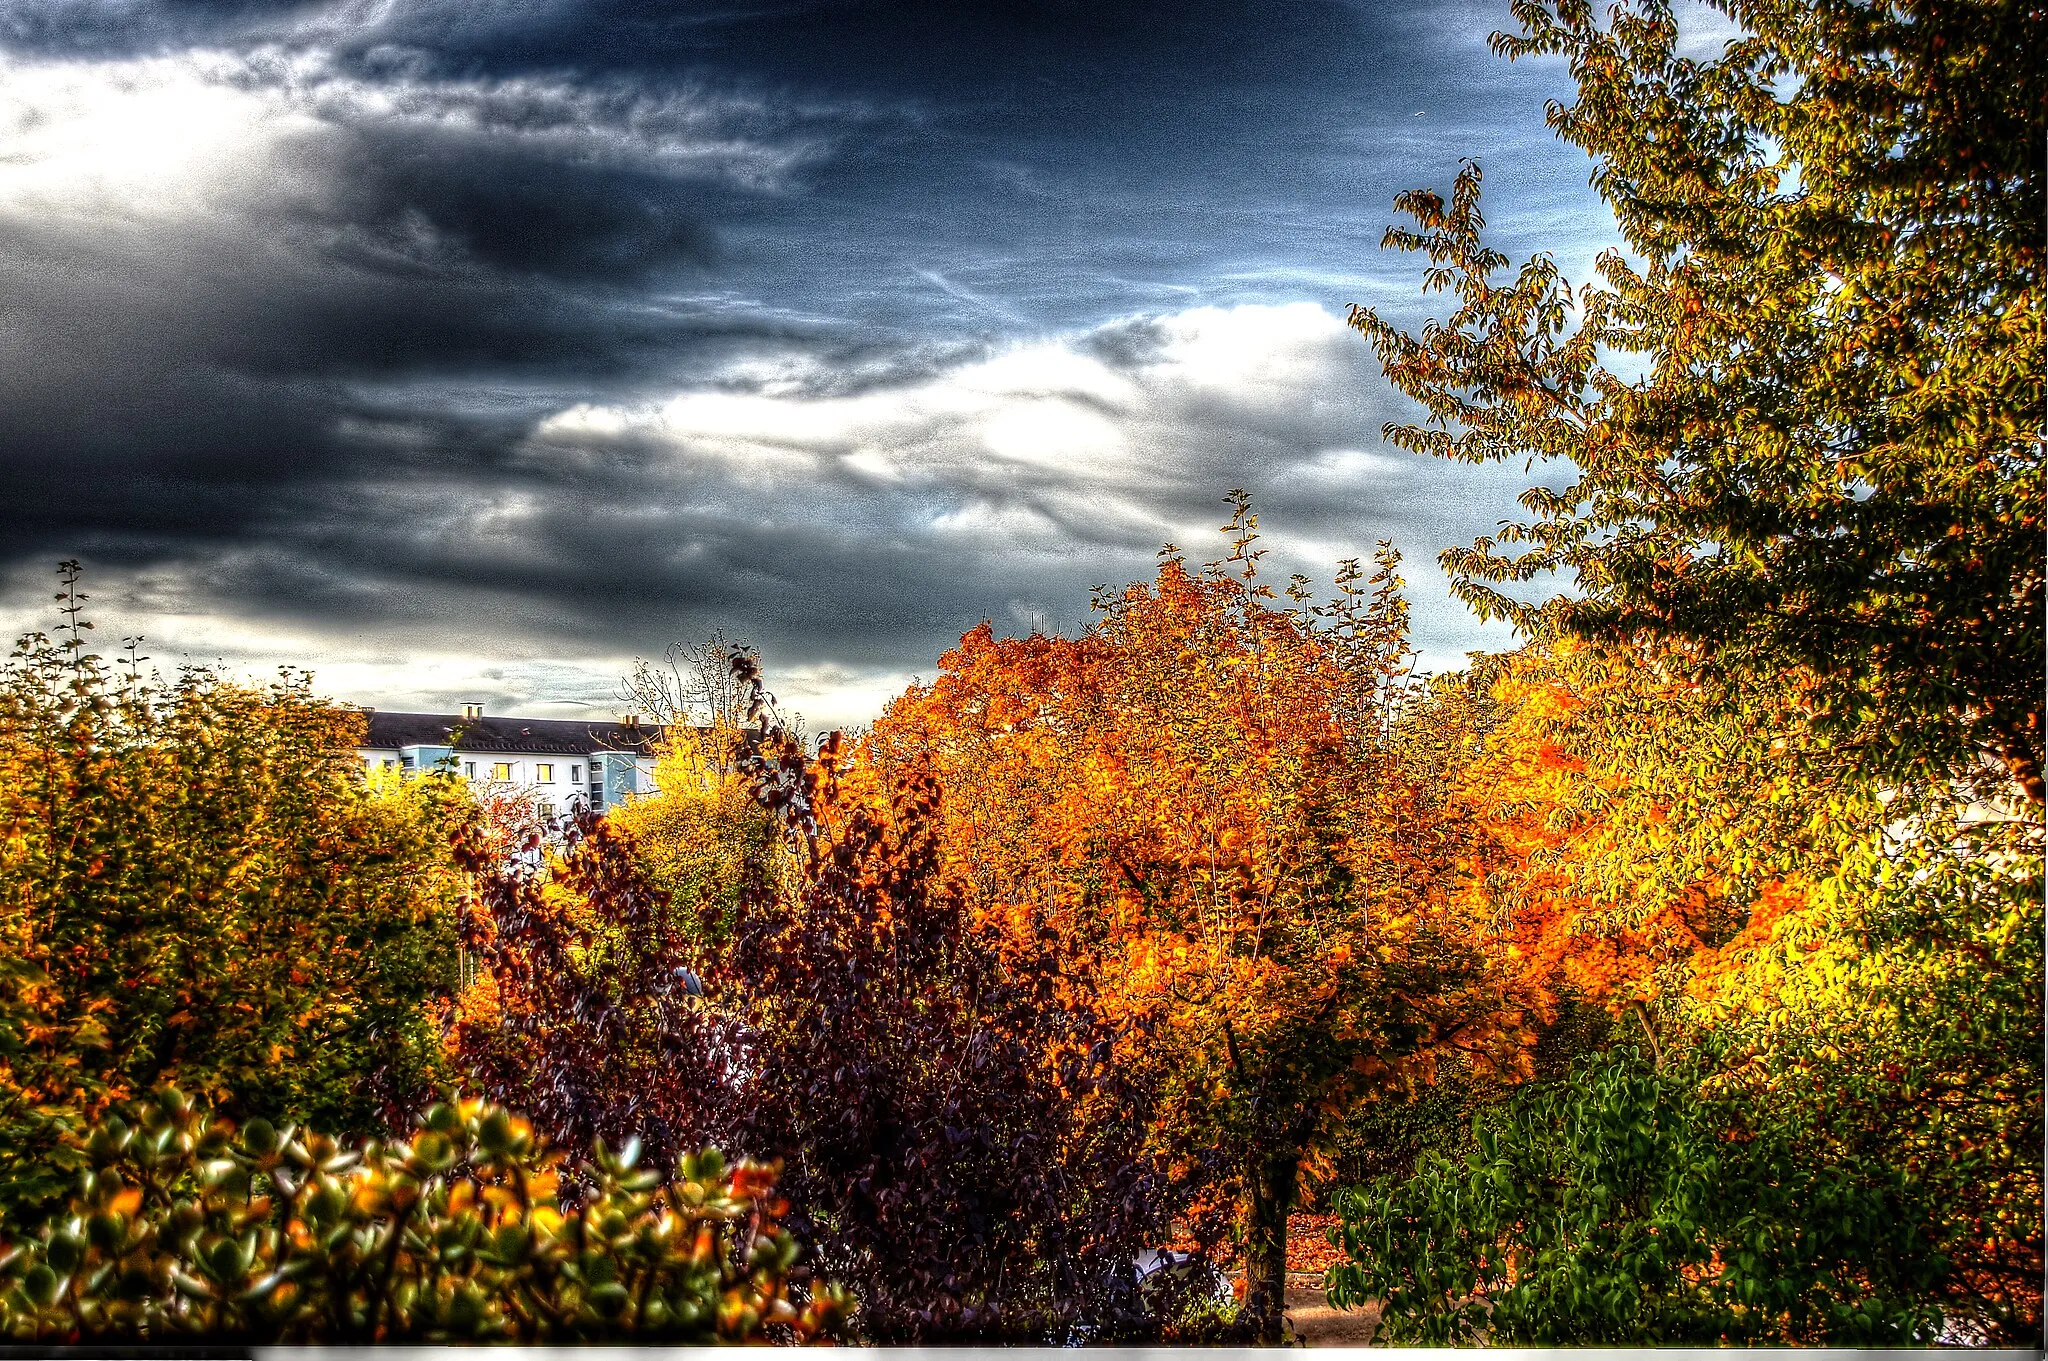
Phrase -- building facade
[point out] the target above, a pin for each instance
(561, 763)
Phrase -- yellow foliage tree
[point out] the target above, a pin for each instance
(197, 885)
(701, 834)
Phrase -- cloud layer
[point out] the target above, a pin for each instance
(462, 351)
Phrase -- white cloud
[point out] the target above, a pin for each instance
(142, 138)
(173, 135)
(1067, 457)
(1111, 433)
(610, 121)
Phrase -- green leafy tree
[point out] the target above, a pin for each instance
(1831, 459)
(1621, 1208)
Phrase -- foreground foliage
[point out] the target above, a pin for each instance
(183, 1228)
(965, 1148)
(972, 1130)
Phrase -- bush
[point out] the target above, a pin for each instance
(198, 887)
(1621, 1207)
(182, 1227)
(967, 1134)
(965, 1152)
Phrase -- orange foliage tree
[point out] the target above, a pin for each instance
(1201, 794)
(1606, 810)
(1854, 964)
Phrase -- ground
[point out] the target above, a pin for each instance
(1315, 1323)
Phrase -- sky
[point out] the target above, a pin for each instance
(464, 352)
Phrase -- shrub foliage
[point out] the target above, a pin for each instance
(197, 886)
(1623, 1208)
(182, 1226)
(965, 1148)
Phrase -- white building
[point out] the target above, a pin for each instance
(560, 762)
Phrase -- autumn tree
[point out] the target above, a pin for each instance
(1832, 459)
(961, 1143)
(702, 834)
(577, 1007)
(966, 1133)
(1890, 1018)
(1197, 795)
(1845, 971)
(197, 885)
(1807, 546)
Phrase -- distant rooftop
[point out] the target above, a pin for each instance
(563, 736)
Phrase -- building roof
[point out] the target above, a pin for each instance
(553, 736)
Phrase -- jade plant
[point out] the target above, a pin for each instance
(183, 1227)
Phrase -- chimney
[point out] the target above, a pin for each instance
(472, 711)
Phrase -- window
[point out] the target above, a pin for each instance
(544, 772)
(501, 770)
(469, 770)
(389, 763)
(575, 774)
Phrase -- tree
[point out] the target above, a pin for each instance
(1807, 543)
(1889, 1020)
(1620, 816)
(197, 885)
(578, 1006)
(1856, 968)
(1198, 797)
(692, 688)
(966, 1135)
(1832, 462)
(963, 1147)
(701, 835)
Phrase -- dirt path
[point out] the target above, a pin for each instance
(1319, 1325)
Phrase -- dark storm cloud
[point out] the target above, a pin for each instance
(557, 330)
(99, 28)
(182, 369)
(867, 523)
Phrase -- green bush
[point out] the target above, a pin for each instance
(1622, 1208)
(183, 1228)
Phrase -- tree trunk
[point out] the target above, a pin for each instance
(1272, 1178)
